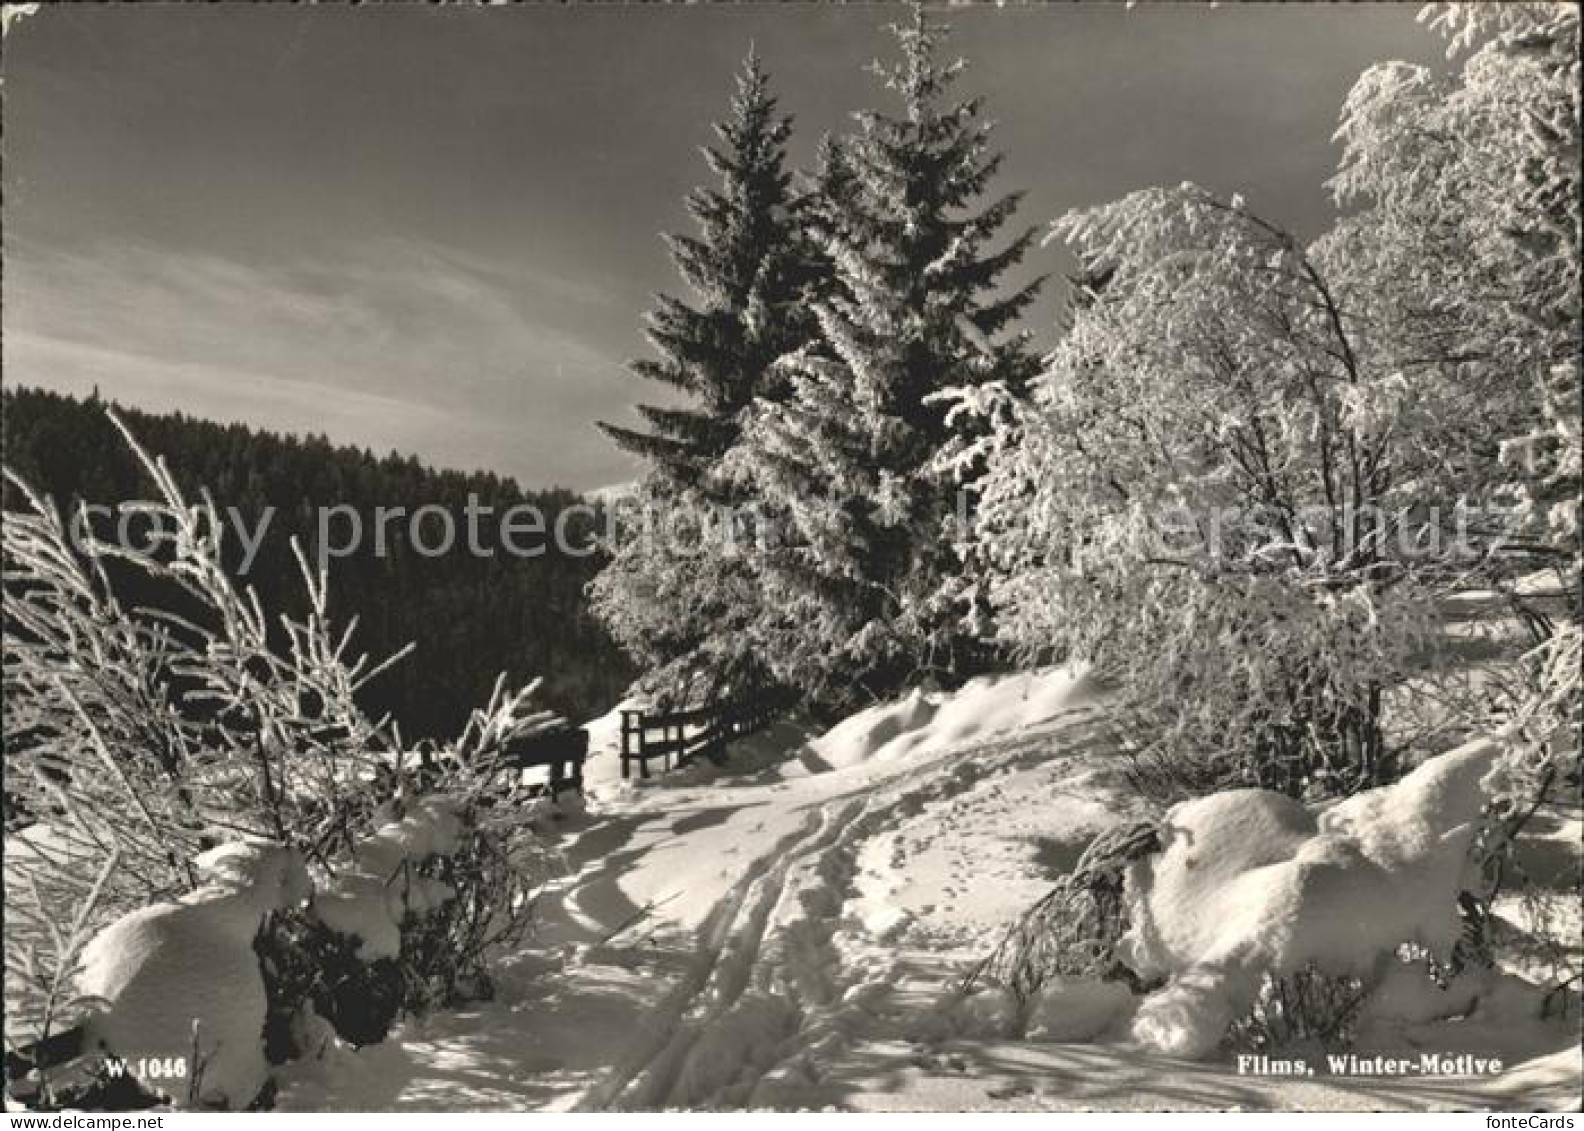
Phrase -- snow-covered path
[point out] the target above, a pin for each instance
(782, 933)
(799, 953)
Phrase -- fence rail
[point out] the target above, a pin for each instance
(677, 737)
(563, 751)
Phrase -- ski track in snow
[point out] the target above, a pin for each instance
(791, 961)
(767, 966)
(730, 947)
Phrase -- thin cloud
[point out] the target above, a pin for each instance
(389, 345)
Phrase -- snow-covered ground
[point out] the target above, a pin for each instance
(788, 930)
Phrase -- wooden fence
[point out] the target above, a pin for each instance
(676, 737)
(563, 751)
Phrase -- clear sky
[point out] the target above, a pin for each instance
(435, 229)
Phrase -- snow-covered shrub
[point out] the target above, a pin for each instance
(311, 971)
(415, 912)
(354, 956)
(141, 735)
(1072, 933)
(1255, 896)
(382, 883)
(499, 857)
(1205, 495)
(149, 740)
(1306, 1005)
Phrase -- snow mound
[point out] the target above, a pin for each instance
(1189, 1016)
(988, 1014)
(182, 975)
(369, 900)
(929, 722)
(1251, 882)
(1076, 1009)
(874, 732)
(1408, 996)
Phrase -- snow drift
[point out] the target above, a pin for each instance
(1251, 882)
(181, 977)
(928, 722)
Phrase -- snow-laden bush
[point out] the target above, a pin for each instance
(1252, 468)
(141, 735)
(151, 741)
(419, 907)
(1073, 931)
(1253, 889)
(499, 857)
(1219, 496)
(1247, 918)
(351, 956)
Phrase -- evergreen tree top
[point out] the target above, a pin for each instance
(919, 77)
(745, 268)
(911, 238)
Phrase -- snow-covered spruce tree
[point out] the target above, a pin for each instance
(680, 595)
(863, 590)
(675, 602)
(749, 271)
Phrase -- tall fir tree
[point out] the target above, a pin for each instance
(749, 272)
(867, 592)
(672, 595)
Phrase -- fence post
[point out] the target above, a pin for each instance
(626, 742)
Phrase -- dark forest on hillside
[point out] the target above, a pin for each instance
(470, 617)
